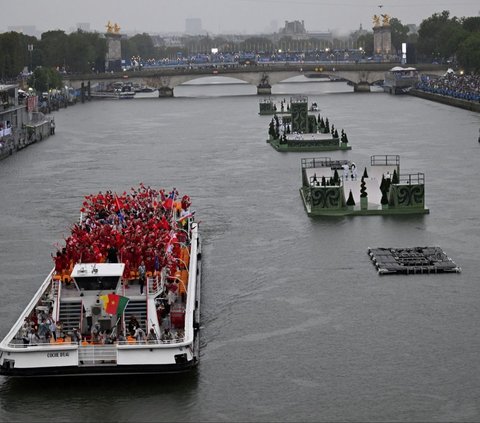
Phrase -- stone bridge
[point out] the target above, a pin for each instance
(263, 76)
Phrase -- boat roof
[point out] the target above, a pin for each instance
(399, 69)
(97, 269)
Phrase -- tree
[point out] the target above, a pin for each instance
(365, 173)
(471, 24)
(365, 41)
(54, 47)
(44, 79)
(394, 177)
(438, 36)
(399, 34)
(271, 129)
(14, 54)
(469, 52)
(384, 199)
(350, 201)
(336, 178)
(140, 45)
(363, 188)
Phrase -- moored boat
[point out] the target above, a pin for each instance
(123, 296)
(400, 80)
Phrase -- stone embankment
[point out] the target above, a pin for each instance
(451, 101)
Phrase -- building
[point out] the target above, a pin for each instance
(294, 29)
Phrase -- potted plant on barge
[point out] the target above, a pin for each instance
(363, 194)
(350, 201)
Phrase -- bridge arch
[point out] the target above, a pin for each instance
(263, 76)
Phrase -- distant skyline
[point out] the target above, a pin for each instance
(221, 16)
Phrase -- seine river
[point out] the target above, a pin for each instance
(297, 326)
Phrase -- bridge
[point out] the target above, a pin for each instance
(361, 75)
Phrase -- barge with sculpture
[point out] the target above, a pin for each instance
(338, 188)
(123, 296)
(300, 131)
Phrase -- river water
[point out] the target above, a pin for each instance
(296, 323)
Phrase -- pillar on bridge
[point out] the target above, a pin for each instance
(263, 90)
(165, 92)
(361, 87)
(264, 87)
(113, 56)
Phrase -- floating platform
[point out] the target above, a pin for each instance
(414, 260)
(298, 130)
(308, 142)
(333, 188)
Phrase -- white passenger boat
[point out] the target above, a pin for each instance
(96, 313)
(400, 80)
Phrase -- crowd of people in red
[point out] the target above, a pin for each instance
(146, 225)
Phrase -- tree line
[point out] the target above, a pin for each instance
(440, 38)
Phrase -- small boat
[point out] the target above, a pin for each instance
(125, 91)
(123, 296)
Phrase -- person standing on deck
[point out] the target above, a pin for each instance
(141, 276)
(354, 172)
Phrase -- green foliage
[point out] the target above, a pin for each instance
(44, 79)
(336, 178)
(350, 200)
(138, 45)
(271, 129)
(363, 188)
(366, 42)
(399, 34)
(471, 24)
(395, 179)
(384, 199)
(14, 55)
(324, 182)
(439, 36)
(365, 173)
(469, 53)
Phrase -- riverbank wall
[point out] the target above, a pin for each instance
(451, 101)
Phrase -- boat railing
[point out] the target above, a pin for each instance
(385, 160)
(58, 290)
(322, 162)
(412, 179)
(20, 345)
(89, 355)
(28, 309)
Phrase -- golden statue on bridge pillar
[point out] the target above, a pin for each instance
(112, 28)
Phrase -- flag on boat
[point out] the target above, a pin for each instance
(168, 203)
(104, 300)
(186, 216)
(118, 203)
(116, 304)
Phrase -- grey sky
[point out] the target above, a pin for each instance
(220, 16)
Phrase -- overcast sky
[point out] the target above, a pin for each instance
(220, 16)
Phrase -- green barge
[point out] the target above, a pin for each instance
(334, 188)
(300, 131)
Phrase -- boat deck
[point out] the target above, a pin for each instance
(372, 183)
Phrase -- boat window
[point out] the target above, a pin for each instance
(95, 283)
